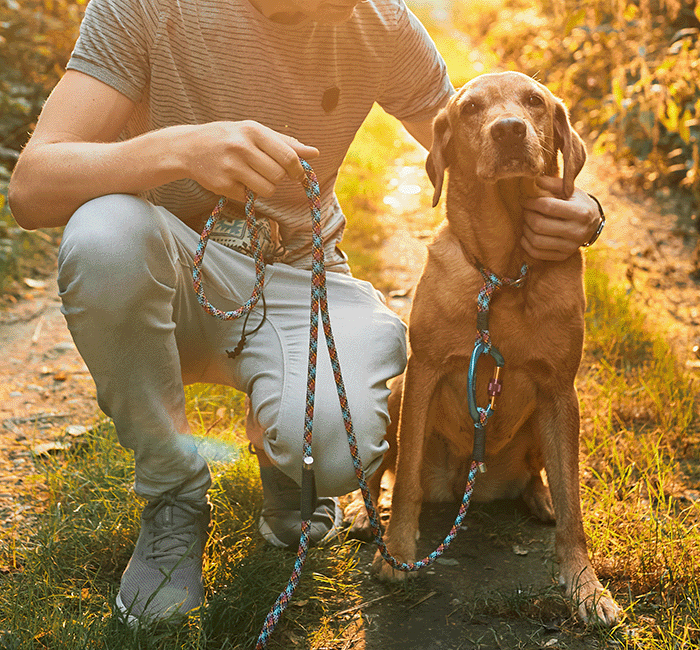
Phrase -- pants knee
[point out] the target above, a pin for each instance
(333, 461)
(114, 249)
(371, 349)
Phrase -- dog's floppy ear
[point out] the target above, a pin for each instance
(438, 157)
(571, 146)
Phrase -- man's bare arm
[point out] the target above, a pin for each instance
(73, 155)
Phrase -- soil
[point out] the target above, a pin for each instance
(47, 400)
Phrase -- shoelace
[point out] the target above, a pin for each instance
(179, 534)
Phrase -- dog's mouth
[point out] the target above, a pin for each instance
(510, 164)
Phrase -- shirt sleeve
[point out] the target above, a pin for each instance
(113, 44)
(416, 83)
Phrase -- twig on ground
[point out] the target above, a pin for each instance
(354, 608)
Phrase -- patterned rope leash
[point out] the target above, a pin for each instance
(257, 256)
(308, 486)
(483, 345)
(319, 304)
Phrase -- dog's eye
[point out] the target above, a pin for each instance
(469, 107)
(535, 100)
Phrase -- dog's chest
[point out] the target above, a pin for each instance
(511, 410)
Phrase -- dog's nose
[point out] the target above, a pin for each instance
(509, 131)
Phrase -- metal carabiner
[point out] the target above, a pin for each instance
(481, 347)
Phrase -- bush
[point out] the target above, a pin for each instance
(629, 69)
(36, 39)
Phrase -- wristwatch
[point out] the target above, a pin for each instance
(601, 225)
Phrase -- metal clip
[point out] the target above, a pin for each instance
(308, 489)
(480, 348)
(494, 390)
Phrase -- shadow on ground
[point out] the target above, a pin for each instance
(494, 588)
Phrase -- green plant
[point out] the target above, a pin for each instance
(65, 575)
(36, 38)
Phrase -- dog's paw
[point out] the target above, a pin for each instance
(356, 520)
(386, 573)
(595, 603)
(599, 607)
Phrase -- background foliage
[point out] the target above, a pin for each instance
(36, 39)
(630, 70)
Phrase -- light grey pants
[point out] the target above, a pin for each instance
(125, 279)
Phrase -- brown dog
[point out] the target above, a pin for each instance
(496, 135)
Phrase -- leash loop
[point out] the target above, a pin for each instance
(249, 305)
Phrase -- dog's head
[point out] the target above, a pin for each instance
(504, 125)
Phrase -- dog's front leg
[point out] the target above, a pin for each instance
(559, 426)
(402, 530)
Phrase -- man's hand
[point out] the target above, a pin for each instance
(556, 227)
(223, 157)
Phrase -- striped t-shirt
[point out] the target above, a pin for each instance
(198, 61)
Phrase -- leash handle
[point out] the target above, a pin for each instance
(249, 305)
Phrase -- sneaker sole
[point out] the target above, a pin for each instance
(132, 622)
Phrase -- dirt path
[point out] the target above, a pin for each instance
(46, 394)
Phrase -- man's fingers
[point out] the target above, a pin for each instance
(226, 156)
(286, 151)
(555, 226)
(546, 247)
(552, 184)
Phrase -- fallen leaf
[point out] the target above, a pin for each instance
(296, 640)
(35, 284)
(46, 448)
(520, 550)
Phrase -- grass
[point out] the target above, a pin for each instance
(640, 457)
(67, 574)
